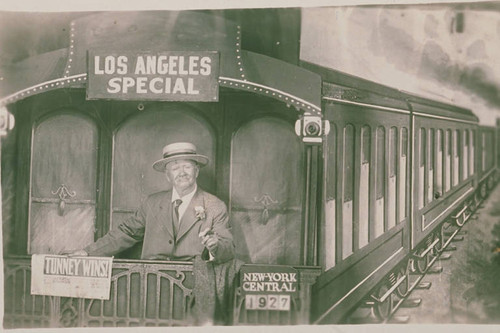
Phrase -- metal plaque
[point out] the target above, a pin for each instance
(164, 76)
(268, 287)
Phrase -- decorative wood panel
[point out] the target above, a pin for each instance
(266, 206)
(63, 184)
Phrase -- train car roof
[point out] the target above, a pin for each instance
(340, 86)
(423, 105)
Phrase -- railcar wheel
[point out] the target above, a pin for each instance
(460, 221)
(382, 310)
(482, 191)
(403, 289)
(490, 182)
(422, 263)
(475, 202)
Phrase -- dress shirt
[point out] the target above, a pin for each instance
(186, 200)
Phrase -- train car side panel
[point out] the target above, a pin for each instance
(366, 221)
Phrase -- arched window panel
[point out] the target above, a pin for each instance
(391, 190)
(447, 160)
(63, 184)
(364, 186)
(266, 207)
(438, 180)
(330, 200)
(404, 142)
(381, 163)
(402, 173)
(421, 169)
(348, 167)
(365, 144)
(456, 157)
(471, 152)
(431, 166)
(393, 151)
(139, 143)
(465, 155)
(348, 191)
(380, 183)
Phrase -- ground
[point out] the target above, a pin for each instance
(468, 289)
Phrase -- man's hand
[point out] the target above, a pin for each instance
(75, 253)
(209, 239)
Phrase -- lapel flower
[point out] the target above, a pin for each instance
(200, 212)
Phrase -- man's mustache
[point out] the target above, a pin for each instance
(182, 177)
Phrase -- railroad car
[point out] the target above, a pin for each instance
(356, 186)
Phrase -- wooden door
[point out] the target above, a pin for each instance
(63, 184)
(266, 191)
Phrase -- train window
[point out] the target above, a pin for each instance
(365, 144)
(483, 149)
(456, 157)
(438, 176)
(465, 155)
(378, 228)
(348, 163)
(447, 161)
(430, 175)
(265, 206)
(331, 187)
(489, 150)
(421, 173)
(348, 209)
(136, 145)
(404, 142)
(393, 154)
(391, 190)
(364, 186)
(402, 174)
(63, 184)
(471, 152)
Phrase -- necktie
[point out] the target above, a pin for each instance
(175, 216)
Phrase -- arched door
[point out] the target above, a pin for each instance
(267, 191)
(138, 143)
(63, 184)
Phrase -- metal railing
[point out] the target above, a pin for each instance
(143, 293)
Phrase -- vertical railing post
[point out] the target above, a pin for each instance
(307, 279)
(311, 210)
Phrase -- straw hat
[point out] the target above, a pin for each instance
(179, 151)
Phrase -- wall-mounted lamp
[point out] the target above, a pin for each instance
(6, 121)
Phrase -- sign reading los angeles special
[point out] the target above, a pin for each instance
(81, 277)
(269, 287)
(163, 76)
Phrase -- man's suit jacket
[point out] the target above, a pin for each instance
(153, 223)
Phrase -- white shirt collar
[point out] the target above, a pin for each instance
(185, 199)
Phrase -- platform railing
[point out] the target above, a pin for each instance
(143, 293)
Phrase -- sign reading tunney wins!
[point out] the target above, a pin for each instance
(164, 76)
(268, 287)
(81, 277)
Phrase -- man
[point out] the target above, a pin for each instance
(178, 224)
(184, 223)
